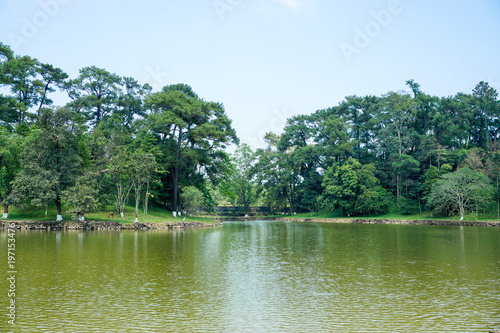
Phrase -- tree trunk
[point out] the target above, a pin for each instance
(176, 190)
(146, 197)
(398, 184)
(5, 211)
(59, 209)
(244, 201)
(179, 206)
(137, 199)
(5, 208)
(498, 201)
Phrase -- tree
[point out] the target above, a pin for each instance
(192, 199)
(405, 167)
(19, 74)
(83, 195)
(354, 188)
(11, 147)
(493, 169)
(485, 112)
(240, 183)
(141, 169)
(359, 114)
(94, 93)
(303, 160)
(52, 160)
(457, 191)
(30, 82)
(275, 175)
(120, 176)
(191, 133)
(130, 104)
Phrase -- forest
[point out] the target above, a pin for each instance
(117, 142)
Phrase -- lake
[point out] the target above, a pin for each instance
(257, 276)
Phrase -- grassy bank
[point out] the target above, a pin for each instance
(426, 215)
(158, 215)
(155, 215)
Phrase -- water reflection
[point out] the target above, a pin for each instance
(260, 277)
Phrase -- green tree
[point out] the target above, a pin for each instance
(192, 134)
(303, 159)
(192, 199)
(240, 183)
(82, 195)
(460, 190)
(141, 168)
(354, 188)
(130, 103)
(30, 83)
(359, 114)
(52, 160)
(485, 112)
(11, 147)
(94, 93)
(275, 175)
(493, 170)
(406, 169)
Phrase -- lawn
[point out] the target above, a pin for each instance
(155, 215)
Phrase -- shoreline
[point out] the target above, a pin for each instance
(370, 221)
(112, 225)
(103, 225)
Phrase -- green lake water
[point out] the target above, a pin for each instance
(257, 277)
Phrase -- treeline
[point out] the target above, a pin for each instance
(114, 140)
(403, 152)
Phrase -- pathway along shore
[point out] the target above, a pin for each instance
(111, 225)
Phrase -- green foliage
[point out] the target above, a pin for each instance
(82, 195)
(94, 93)
(11, 148)
(192, 199)
(361, 156)
(51, 159)
(460, 191)
(353, 187)
(239, 187)
(192, 134)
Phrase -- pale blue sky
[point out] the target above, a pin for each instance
(267, 59)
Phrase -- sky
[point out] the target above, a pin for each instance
(266, 60)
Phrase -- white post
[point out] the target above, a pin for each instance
(5, 215)
(174, 214)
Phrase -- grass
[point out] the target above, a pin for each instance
(158, 215)
(394, 215)
(155, 215)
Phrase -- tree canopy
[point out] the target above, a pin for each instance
(117, 139)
